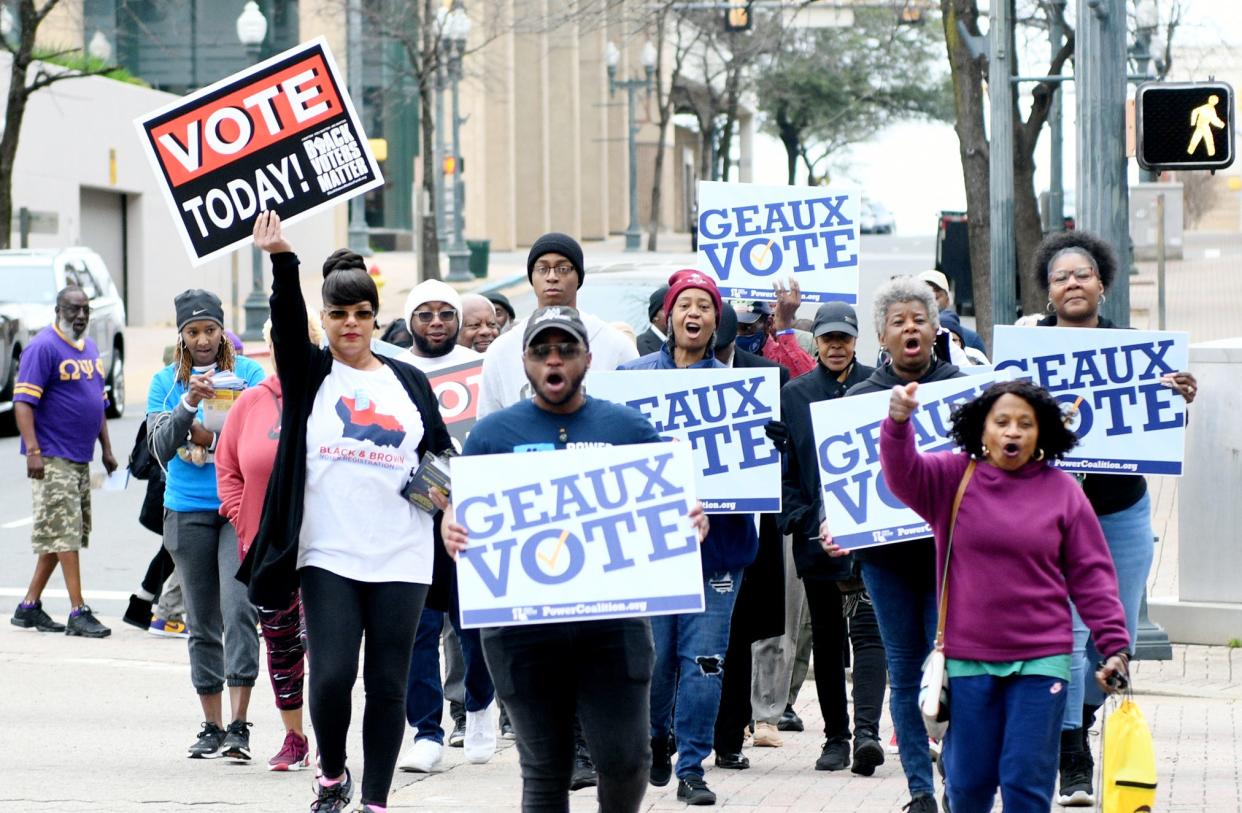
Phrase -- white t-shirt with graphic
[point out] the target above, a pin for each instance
(361, 442)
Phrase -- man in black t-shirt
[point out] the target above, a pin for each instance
(602, 667)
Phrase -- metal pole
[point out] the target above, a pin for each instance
(256, 307)
(633, 234)
(441, 221)
(1056, 187)
(459, 258)
(1003, 253)
(358, 232)
(1103, 193)
(1160, 261)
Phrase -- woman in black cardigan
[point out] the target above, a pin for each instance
(334, 521)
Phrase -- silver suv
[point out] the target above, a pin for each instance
(29, 281)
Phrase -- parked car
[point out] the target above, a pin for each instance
(29, 281)
(13, 337)
(875, 218)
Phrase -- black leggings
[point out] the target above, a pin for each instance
(829, 631)
(338, 612)
(158, 571)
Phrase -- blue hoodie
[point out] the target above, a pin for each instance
(732, 540)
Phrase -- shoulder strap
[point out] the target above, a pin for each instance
(942, 602)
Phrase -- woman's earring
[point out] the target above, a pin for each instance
(1039, 454)
(1103, 299)
(985, 451)
(1049, 307)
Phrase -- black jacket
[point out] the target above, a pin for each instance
(1108, 493)
(916, 558)
(801, 505)
(270, 567)
(760, 609)
(648, 342)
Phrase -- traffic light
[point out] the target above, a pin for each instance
(453, 164)
(1184, 125)
(737, 18)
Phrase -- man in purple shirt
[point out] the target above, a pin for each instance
(59, 404)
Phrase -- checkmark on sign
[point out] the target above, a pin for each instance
(556, 552)
(759, 258)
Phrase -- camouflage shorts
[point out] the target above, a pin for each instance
(62, 507)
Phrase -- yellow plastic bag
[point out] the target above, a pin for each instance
(1129, 775)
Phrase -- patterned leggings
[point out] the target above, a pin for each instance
(286, 652)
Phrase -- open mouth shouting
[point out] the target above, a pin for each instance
(911, 346)
(1011, 450)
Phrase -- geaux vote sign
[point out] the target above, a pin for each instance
(860, 508)
(751, 236)
(577, 534)
(720, 413)
(282, 136)
(1127, 421)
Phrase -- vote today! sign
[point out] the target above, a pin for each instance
(577, 534)
(751, 236)
(720, 414)
(457, 390)
(282, 135)
(1126, 419)
(861, 509)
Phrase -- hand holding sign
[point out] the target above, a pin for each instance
(903, 403)
(698, 520)
(455, 536)
(267, 234)
(1183, 382)
(825, 541)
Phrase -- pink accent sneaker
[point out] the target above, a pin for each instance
(294, 754)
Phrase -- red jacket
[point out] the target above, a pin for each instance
(245, 454)
(785, 351)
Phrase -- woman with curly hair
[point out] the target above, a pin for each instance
(1075, 270)
(223, 643)
(1025, 542)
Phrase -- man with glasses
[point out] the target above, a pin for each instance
(59, 404)
(555, 270)
(433, 312)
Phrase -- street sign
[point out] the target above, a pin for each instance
(1185, 125)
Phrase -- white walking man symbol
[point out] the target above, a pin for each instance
(1203, 118)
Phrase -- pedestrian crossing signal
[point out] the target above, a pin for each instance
(1184, 125)
(737, 18)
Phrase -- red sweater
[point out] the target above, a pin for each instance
(1025, 542)
(245, 454)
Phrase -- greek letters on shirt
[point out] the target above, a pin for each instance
(75, 369)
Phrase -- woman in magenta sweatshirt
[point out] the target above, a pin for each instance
(1026, 541)
(245, 454)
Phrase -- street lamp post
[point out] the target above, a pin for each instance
(359, 234)
(455, 33)
(633, 234)
(252, 31)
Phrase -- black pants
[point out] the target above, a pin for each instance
(158, 571)
(338, 612)
(829, 629)
(598, 670)
(734, 713)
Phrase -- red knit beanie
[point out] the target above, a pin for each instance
(691, 278)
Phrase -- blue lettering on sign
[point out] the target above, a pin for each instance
(815, 232)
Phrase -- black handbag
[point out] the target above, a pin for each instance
(142, 464)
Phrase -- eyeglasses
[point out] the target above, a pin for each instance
(1083, 274)
(341, 314)
(427, 316)
(566, 350)
(559, 270)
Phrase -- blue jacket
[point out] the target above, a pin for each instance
(732, 540)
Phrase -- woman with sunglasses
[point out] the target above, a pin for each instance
(353, 424)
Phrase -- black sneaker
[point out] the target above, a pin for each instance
(1076, 772)
(789, 721)
(732, 762)
(83, 622)
(694, 791)
(506, 726)
(457, 737)
(138, 613)
(661, 761)
(835, 755)
(33, 618)
(209, 742)
(923, 803)
(584, 775)
(868, 754)
(237, 741)
(333, 799)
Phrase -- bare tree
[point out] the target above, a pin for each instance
(677, 37)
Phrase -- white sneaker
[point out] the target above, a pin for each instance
(480, 741)
(422, 757)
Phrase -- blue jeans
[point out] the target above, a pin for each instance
(1130, 541)
(1004, 732)
(424, 694)
(689, 668)
(905, 607)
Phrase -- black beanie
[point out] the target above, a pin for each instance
(555, 242)
(196, 304)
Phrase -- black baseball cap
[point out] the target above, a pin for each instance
(561, 317)
(753, 312)
(656, 301)
(835, 317)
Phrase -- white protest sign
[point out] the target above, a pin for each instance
(1126, 420)
(721, 414)
(751, 236)
(860, 508)
(577, 534)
